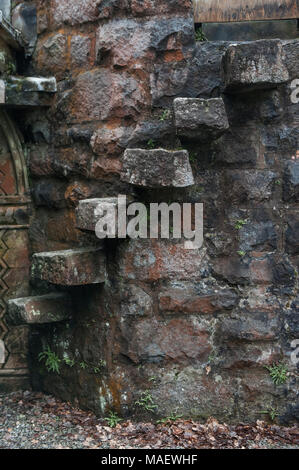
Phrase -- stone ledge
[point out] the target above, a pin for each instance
(40, 309)
(75, 267)
(86, 219)
(200, 119)
(253, 65)
(27, 91)
(157, 168)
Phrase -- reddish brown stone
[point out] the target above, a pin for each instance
(257, 355)
(161, 259)
(160, 7)
(74, 12)
(126, 41)
(41, 160)
(172, 302)
(187, 300)
(101, 94)
(75, 192)
(250, 325)
(107, 141)
(70, 161)
(80, 51)
(105, 167)
(51, 56)
(261, 271)
(177, 340)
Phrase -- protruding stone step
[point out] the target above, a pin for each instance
(203, 120)
(40, 309)
(157, 168)
(88, 211)
(253, 65)
(27, 91)
(75, 267)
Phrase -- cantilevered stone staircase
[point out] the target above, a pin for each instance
(196, 119)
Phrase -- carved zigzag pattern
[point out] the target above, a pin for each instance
(4, 288)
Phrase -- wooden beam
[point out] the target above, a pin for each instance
(225, 11)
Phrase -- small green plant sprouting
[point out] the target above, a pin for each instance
(212, 358)
(69, 362)
(241, 253)
(152, 379)
(172, 418)
(192, 157)
(113, 419)
(52, 361)
(99, 366)
(83, 365)
(271, 411)
(165, 115)
(278, 372)
(200, 35)
(11, 70)
(146, 401)
(240, 223)
(151, 144)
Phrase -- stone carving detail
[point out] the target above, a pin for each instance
(14, 256)
(17, 156)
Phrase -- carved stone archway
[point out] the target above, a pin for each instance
(14, 250)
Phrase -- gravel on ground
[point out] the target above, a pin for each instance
(31, 420)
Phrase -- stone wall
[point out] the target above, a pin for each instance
(193, 330)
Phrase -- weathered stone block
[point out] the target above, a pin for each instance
(152, 260)
(40, 309)
(237, 147)
(102, 94)
(159, 7)
(292, 233)
(74, 12)
(240, 355)
(291, 181)
(85, 213)
(51, 56)
(176, 340)
(290, 319)
(200, 119)
(156, 130)
(250, 326)
(157, 168)
(238, 270)
(75, 267)
(291, 50)
(188, 300)
(5, 7)
(24, 20)
(110, 142)
(135, 301)
(27, 91)
(80, 50)
(249, 185)
(126, 40)
(254, 65)
(261, 235)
